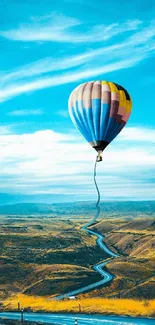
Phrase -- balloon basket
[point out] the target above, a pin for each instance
(99, 157)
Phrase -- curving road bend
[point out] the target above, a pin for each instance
(98, 267)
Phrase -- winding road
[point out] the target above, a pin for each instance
(98, 267)
(100, 242)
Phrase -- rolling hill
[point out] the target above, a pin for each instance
(44, 251)
(116, 209)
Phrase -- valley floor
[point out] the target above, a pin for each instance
(43, 256)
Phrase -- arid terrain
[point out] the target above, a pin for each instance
(45, 255)
(134, 241)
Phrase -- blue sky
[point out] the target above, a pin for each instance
(47, 49)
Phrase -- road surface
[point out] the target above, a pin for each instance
(99, 267)
(83, 319)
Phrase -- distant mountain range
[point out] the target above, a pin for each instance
(81, 208)
(12, 198)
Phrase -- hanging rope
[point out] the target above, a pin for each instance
(98, 193)
(90, 223)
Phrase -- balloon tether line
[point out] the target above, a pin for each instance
(98, 192)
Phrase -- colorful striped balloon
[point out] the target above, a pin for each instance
(100, 110)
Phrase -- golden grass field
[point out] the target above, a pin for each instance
(122, 307)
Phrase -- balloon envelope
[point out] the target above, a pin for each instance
(100, 110)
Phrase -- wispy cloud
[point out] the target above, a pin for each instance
(63, 113)
(16, 89)
(46, 66)
(5, 130)
(26, 112)
(51, 162)
(58, 28)
(50, 64)
(50, 72)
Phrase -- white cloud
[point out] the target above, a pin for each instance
(58, 28)
(50, 64)
(51, 162)
(26, 112)
(46, 65)
(63, 113)
(5, 130)
(16, 89)
(138, 134)
(91, 63)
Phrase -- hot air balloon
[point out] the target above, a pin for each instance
(100, 110)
